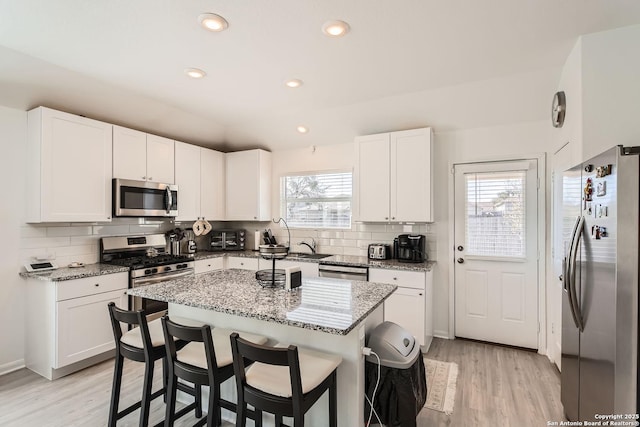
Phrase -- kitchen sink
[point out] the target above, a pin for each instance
(308, 255)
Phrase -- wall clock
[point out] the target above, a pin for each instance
(558, 109)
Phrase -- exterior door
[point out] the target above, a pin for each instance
(496, 252)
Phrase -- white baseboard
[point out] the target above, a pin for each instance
(441, 334)
(11, 366)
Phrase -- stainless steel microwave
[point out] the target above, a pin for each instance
(144, 198)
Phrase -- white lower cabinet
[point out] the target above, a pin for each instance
(209, 264)
(308, 269)
(67, 322)
(83, 327)
(242, 263)
(410, 306)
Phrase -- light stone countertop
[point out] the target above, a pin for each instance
(348, 260)
(67, 273)
(333, 306)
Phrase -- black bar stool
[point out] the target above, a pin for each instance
(143, 343)
(284, 381)
(205, 360)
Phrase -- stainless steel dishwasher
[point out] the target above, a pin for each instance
(343, 272)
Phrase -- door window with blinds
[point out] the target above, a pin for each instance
(495, 214)
(317, 200)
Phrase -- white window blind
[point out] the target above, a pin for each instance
(495, 219)
(320, 200)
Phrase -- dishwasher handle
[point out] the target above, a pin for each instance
(343, 269)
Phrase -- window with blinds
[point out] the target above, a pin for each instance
(495, 214)
(319, 200)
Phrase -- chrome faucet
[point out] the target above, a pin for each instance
(311, 246)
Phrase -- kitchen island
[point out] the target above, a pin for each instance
(329, 315)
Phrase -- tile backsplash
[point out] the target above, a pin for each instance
(343, 242)
(79, 242)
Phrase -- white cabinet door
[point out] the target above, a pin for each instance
(212, 184)
(248, 185)
(394, 177)
(406, 307)
(129, 154)
(242, 263)
(209, 264)
(372, 172)
(83, 327)
(411, 175)
(187, 158)
(160, 159)
(70, 168)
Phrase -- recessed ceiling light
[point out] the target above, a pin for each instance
(194, 73)
(303, 129)
(213, 22)
(335, 28)
(293, 83)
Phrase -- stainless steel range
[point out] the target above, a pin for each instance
(148, 262)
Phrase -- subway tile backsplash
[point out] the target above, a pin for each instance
(343, 242)
(79, 242)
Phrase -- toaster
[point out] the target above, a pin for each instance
(379, 251)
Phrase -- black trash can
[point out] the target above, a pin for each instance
(402, 388)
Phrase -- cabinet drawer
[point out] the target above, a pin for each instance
(209, 264)
(243, 263)
(68, 289)
(407, 279)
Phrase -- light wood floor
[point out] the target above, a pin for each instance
(497, 386)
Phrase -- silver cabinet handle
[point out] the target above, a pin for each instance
(96, 285)
(144, 177)
(150, 178)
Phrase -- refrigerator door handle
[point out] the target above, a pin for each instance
(575, 303)
(566, 273)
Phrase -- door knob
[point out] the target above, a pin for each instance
(460, 248)
(460, 260)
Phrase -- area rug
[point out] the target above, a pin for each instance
(441, 385)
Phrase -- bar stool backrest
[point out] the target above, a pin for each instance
(242, 350)
(132, 318)
(187, 334)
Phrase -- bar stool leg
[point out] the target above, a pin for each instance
(333, 401)
(146, 394)
(198, 399)
(258, 418)
(278, 420)
(241, 414)
(171, 401)
(115, 391)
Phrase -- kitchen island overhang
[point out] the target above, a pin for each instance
(325, 314)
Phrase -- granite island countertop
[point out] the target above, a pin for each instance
(328, 305)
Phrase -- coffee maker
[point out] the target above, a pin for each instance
(410, 248)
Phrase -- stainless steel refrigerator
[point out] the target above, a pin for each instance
(600, 285)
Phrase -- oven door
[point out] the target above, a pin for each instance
(153, 308)
(144, 199)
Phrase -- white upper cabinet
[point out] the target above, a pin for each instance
(212, 186)
(394, 177)
(248, 185)
(411, 175)
(69, 168)
(142, 157)
(200, 179)
(188, 181)
(372, 153)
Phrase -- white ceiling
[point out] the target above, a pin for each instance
(453, 64)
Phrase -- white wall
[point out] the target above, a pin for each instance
(355, 241)
(611, 89)
(13, 134)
